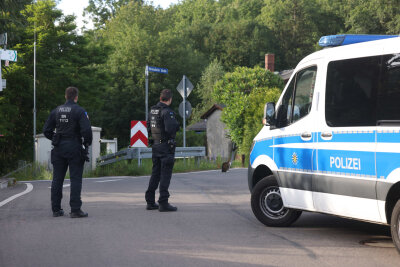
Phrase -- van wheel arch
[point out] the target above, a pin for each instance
(259, 173)
(391, 199)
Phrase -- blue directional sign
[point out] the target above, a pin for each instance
(157, 69)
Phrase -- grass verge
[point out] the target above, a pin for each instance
(125, 168)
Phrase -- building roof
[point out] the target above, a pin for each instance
(285, 74)
(211, 110)
(200, 126)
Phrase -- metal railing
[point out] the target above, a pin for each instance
(145, 153)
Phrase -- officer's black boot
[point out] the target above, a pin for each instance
(58, 213)
(165, 207)
(78, 214)
(152, 206)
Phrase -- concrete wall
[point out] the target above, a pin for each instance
(43, 150)
(218, 145)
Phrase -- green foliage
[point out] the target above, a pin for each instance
(192, 138)
(372, 17)
(63, 59)
(101, 11)
(197, 38)
(297, 25)
(205, 88)
(126, 168)
(254, 114)
(234, 90)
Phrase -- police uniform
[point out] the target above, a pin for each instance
(163, 126)
(71, 123)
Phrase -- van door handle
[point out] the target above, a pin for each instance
(306, 135)
(326, 134)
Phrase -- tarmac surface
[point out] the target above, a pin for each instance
(214, 226)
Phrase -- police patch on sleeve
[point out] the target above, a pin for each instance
(86, 115)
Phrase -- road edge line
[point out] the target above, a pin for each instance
(29, 188)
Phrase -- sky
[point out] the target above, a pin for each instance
(76, 7)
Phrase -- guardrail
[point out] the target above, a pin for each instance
(145, 153)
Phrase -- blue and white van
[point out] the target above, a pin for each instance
(331, 143)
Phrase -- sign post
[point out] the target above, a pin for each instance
(185, 87)
(3, 39)
(146, 73)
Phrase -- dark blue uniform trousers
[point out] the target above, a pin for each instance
(67, 154)
(163, 163)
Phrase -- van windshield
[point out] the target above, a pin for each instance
(362, 91)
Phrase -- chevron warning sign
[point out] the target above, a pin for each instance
(139, 136)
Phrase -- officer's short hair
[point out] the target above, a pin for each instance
(165, 95)
(71, 93)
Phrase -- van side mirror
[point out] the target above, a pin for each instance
(269, 114)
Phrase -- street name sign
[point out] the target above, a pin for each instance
(157, 69)
(189, 87)
(10, 55)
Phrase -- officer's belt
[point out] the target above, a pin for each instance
(157, 142)
(70, 137)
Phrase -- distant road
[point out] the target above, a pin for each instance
(214, 226)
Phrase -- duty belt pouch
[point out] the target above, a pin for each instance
(55, 140)
(171, 146)
(84, 154)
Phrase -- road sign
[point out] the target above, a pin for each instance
(139, 136)
(10, 55)
(188, 108)
(157, 69)
(189, 87)
(3, 39)
(3, 83)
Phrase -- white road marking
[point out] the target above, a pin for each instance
(106, 181)
(28, 189)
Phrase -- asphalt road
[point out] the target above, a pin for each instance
(214, 226)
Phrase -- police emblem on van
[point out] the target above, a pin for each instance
(295, 158)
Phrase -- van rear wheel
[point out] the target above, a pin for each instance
(267, 204)
(395, 225)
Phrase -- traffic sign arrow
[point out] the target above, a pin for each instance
(10, 55)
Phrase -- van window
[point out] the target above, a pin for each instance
(305, 83)
(361, 91)
(388, 106)
(297, 99)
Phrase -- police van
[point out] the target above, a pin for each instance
(331, 144)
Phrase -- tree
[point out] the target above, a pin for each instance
(297, 25)
(141, 35)
(234, 90)
(205, 88)
(372, 17)
(63, 59)
(101, 11)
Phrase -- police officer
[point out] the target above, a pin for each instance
(71, 123)
(163, 127)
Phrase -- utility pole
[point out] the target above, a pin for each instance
(34, 92)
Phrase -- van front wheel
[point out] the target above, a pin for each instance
(395, 225)
(267, 204)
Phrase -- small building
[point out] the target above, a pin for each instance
(218, 142)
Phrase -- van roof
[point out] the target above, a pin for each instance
(365, 49)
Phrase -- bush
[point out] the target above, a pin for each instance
(254, 115)
(242, 108)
